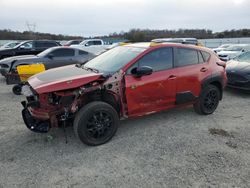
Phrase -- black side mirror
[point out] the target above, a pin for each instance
(142, 71)
(50, 56)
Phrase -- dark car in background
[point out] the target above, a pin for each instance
(238, 72)
(51, 58)
(31, 47)
(72, 42)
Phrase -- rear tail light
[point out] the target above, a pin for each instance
(221, 63)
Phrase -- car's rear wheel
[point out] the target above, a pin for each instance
(17, 89)
(208, 100)
(96, 123)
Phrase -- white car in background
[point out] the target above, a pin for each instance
(233, 51)
(221, 47)
(95, 46)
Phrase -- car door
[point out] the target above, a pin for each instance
(60, 57)
(153, 92)
(191, 69)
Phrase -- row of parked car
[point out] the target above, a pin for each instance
(126, 81)
(229, 51)
(237, 57)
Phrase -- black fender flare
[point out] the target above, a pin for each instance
(214, 79)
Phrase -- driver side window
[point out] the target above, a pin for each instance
(27, 45)
(63, 53)
(158, 60)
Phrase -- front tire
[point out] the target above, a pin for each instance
(208, 100)
(96, 123)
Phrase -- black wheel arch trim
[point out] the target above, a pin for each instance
(214, 79)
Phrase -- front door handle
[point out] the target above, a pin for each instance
(172, 77)
(203, 69)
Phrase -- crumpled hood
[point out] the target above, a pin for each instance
(62, 78)
(238, 66)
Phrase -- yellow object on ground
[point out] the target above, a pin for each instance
(26, 71)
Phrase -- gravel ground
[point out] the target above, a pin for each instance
(176, 148)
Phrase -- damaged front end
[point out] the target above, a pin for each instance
(55, 109)
(41, 112)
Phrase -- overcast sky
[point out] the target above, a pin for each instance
(101, 17)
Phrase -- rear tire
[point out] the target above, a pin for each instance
(208, 100)
(96, 123)
(17, 89)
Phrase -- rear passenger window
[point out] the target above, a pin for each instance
(186, 56)
(50, 44)
(43, 44)
(40, 44)
(97, 42)
(63, 52)
(205, 55)
(159, 59)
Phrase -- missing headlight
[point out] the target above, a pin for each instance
(26, 91)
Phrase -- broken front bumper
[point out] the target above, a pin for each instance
(38, 119)
(33, 124)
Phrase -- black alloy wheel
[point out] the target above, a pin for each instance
(96, 123)
(208, 100)
(211, 100)
(99, 125)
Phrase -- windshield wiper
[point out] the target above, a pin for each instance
(91, 69)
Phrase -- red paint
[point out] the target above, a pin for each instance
(74, 82)
(137, 96)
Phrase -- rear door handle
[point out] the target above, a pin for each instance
(203, 69)
(172, 77)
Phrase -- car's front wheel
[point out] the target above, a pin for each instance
(96, 123)
(208, 100)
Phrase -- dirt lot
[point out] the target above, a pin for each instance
(175, 148)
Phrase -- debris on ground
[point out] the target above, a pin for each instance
(231, 144)
(220, 132)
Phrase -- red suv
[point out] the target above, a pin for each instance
(124, 82)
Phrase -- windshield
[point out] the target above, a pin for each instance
(243, 57)
(45, 52)
(234, 48)
(114, 59)
(10, 45)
